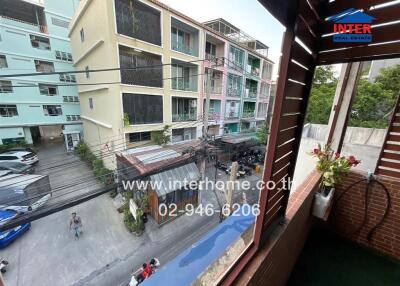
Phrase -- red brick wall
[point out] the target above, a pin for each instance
(348, 213)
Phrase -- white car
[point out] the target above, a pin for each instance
(19, 156)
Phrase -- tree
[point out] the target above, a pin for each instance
(162, 137)
(371, 105)
(322, 94)
(262, 134)
(389, 79)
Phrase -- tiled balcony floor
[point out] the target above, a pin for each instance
(330, 260)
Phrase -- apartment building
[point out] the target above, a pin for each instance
(242, 83)
(127, 107)
(34, 38)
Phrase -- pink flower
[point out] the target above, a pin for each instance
(353, 161)
(337, 155)
(316, 151)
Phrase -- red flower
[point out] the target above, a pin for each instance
(337, 155)
(316, 151)
(353, 161)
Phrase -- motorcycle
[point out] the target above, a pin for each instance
(3, 265)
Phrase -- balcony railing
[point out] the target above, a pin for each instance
(23, 24)
(232, 114)
(210, 57)
(183, 117)
(234, 92)
(180, 84)
(183, 48)
(248, 114)
(250, 93)
(216, 89)
(255, 71)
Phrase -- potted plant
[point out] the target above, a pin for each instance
(333, 167)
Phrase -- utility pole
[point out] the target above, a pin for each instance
(232, 179)
(205, 127)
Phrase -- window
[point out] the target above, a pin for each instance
(180, 41)
(129, 58)
(87, 72)
(43, 66)
(143, 108)
(67, 77)
(63, 56)
(267, 70)
(90, 103)
(82, 33)
(184, 109)
(234, 85)
(137, 20)
(6, 86)
(52, 110)
(236, 57)
(211, 49)
(139, 136)
(8, 110)
(49, 90)
(40, 43)
(59, 22)
(3, 61)
(73, 117)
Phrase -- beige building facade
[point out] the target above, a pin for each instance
(161, 82)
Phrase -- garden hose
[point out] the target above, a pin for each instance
(369, 179)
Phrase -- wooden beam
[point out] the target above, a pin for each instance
(358, 54)
(337, 6)
(341, 107)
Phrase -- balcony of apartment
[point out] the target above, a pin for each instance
(133, 65)
(214, 111)
(216, 82)
(249, 110)
(251, 89)
(184, 38)
(234, 86)
(264, 91)
(184, 109)
(23, 15)
(214, 52)
(236, 59)
(137, 20)
(266, 70)
(356, 240)
(184, 76)
(232, 110)
(253, 66)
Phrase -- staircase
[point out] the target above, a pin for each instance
(389, 159)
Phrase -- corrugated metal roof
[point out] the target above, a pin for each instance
(162, 180)
(153, 157)
(140, 149)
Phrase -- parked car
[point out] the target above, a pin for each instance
(19, 156)
(26, 149)
(24, 193)
(8, 236)
(16, 167)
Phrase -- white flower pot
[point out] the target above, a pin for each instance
(322, 204)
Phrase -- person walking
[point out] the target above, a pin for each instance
(76, 224)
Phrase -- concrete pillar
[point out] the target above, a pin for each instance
(341, 107)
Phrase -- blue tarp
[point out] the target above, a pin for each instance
(187, 266)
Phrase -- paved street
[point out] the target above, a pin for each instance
(48, 254)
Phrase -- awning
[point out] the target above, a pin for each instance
(161, 181)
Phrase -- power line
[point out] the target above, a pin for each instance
(94, 70)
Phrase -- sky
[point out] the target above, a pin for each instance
(248, 15)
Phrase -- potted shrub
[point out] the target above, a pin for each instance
(333, 167)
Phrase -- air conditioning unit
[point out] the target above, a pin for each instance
(193, 103)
